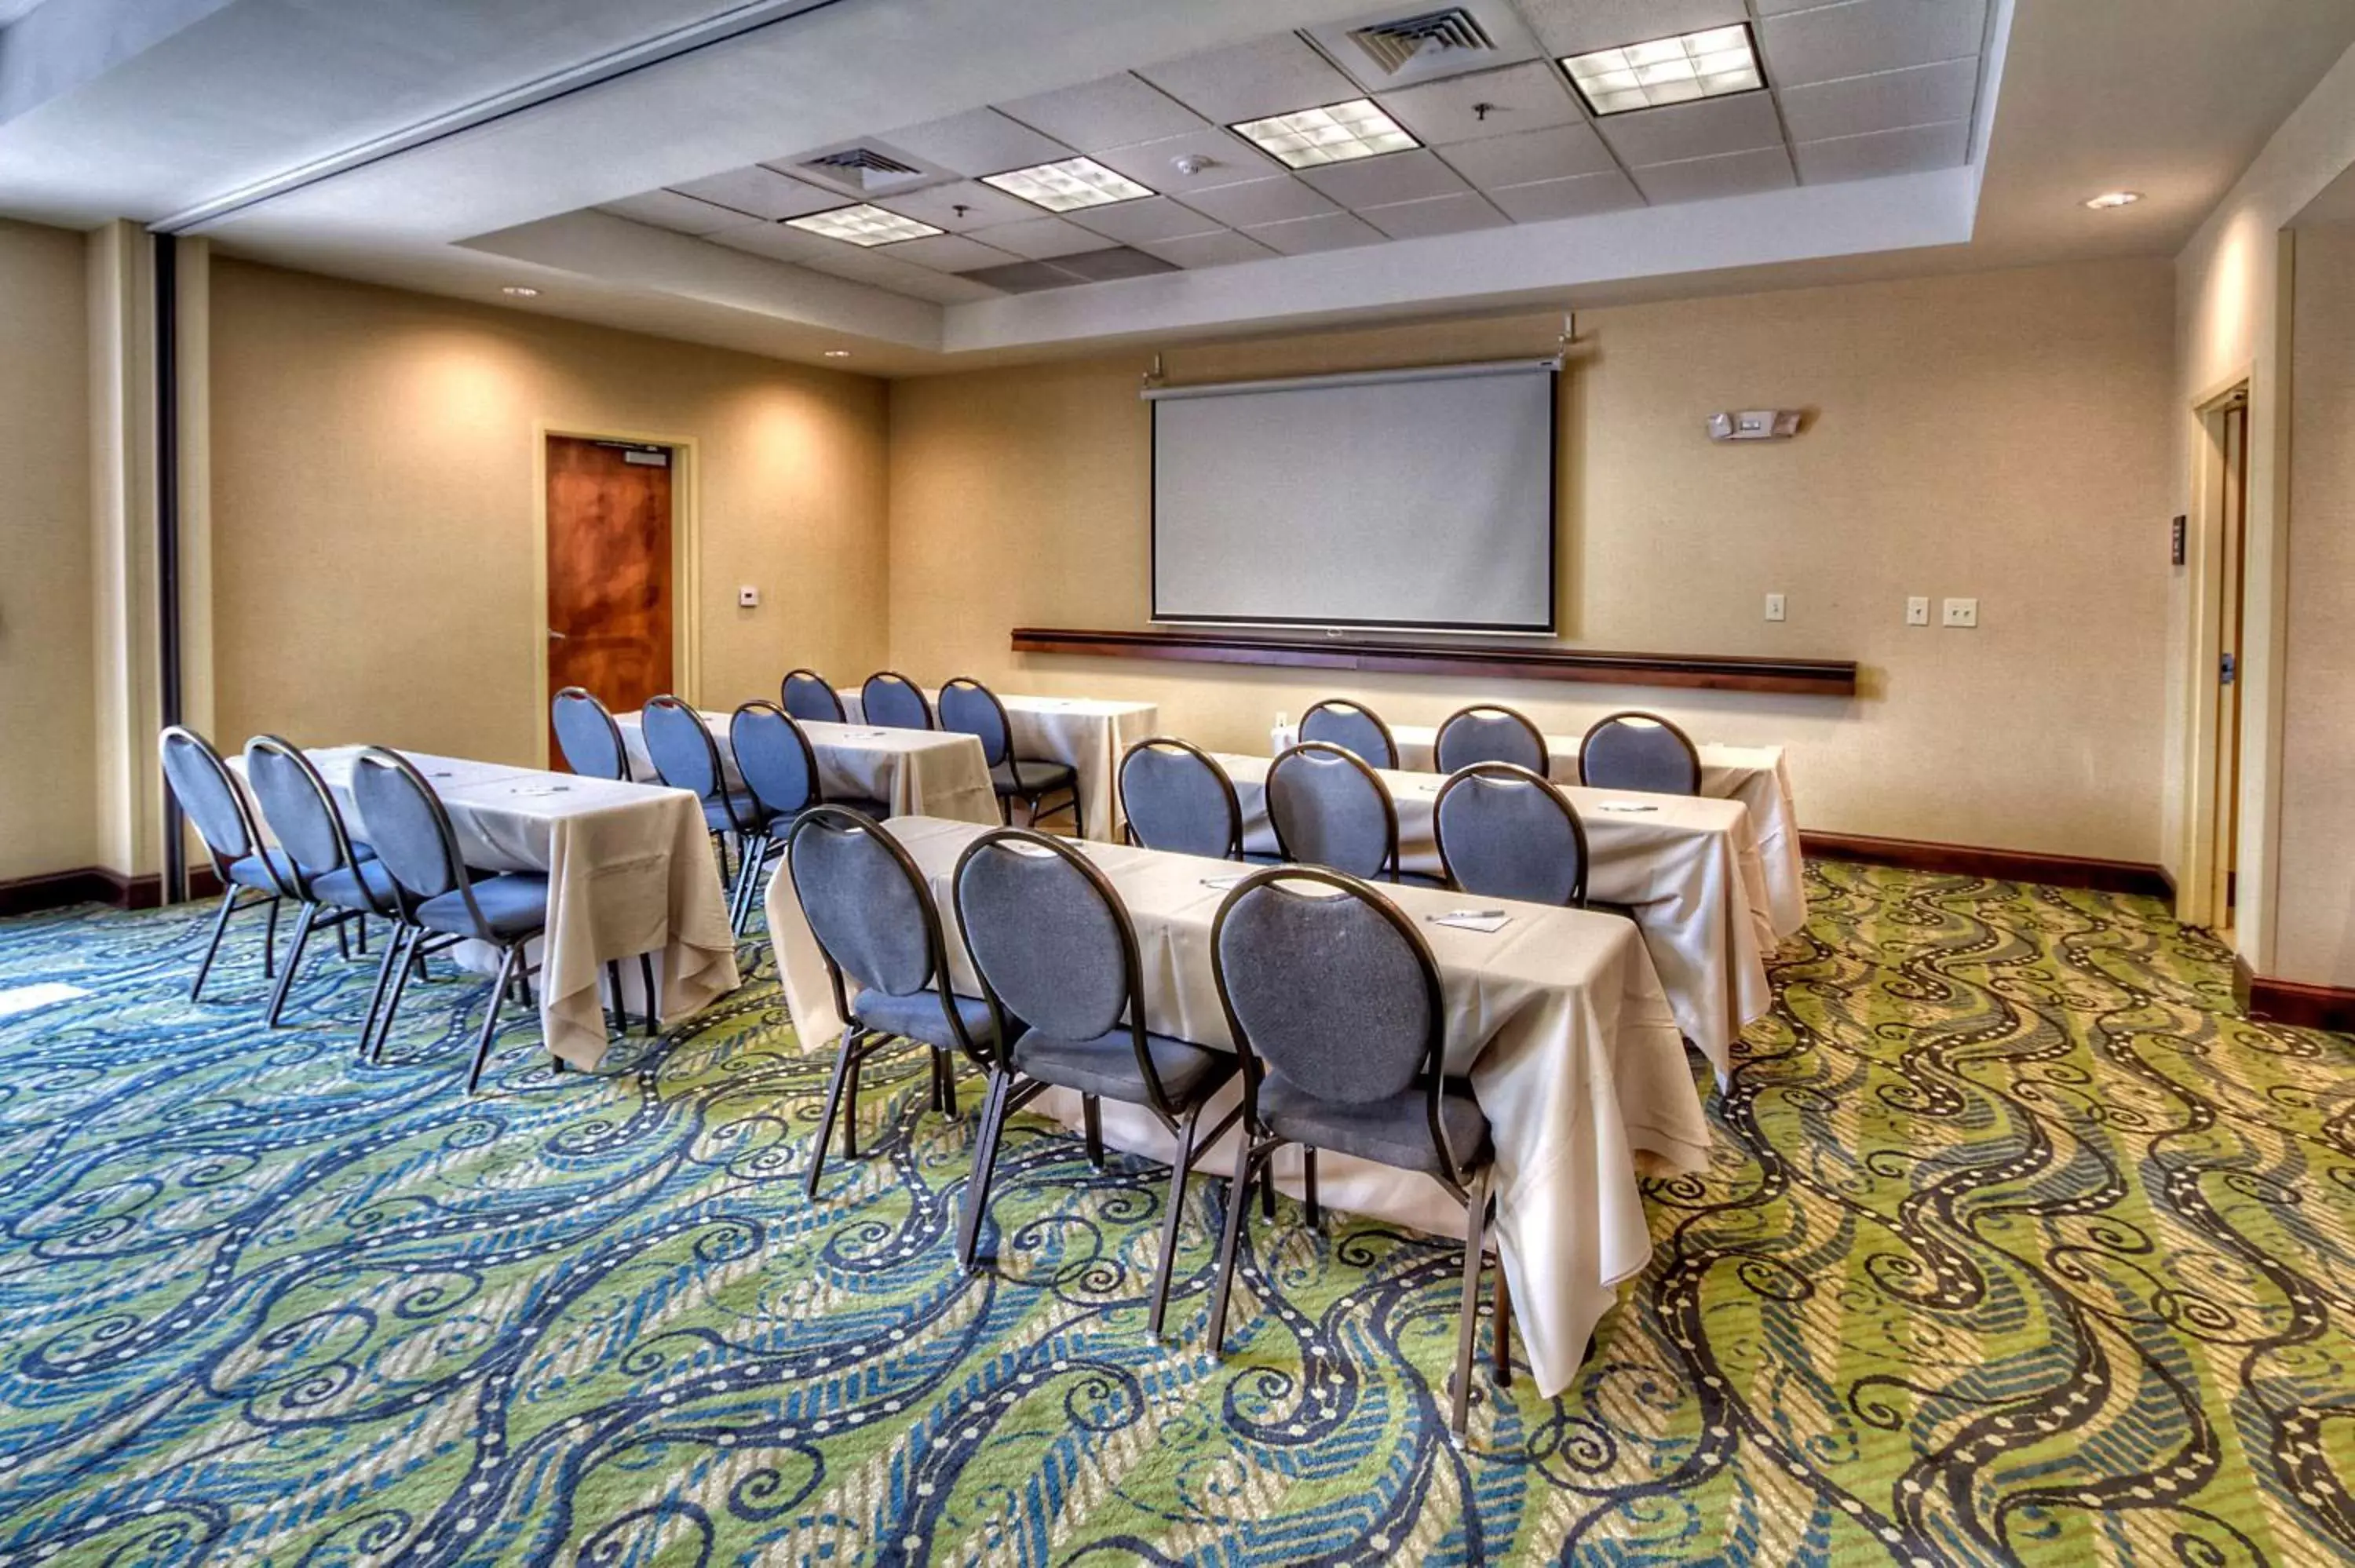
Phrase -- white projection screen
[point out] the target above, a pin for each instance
(1400, 499)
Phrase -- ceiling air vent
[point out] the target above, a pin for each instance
(865, 168)
(1451, 40)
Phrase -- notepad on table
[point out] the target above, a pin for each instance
(1488, 921)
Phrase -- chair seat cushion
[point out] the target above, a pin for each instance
(513, 906)
(717, 815)
(344, 888)
(917, 1016)
(1395, 1132)
(254, 870)
(1039, 775)
(1106, 1066)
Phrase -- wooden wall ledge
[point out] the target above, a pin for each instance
(1725, 672)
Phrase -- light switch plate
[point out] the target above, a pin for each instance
(1917, 610)
(1773, 607)
(748, 597)
(1962, 612)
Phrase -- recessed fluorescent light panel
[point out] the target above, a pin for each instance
(1667, 70)
(864, 225)
(1068, 185)
(1333, 135)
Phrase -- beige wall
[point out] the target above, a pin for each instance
(47, 775)
(2000, 435)
(375, 547)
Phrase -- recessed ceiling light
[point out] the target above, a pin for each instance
(1069, 185)
(1333, 133)
(1665, 70)
(837, 354)
(864, 225)
(521, 291)
(2109, 199)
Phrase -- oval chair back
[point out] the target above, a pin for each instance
(409, 829)
(682, 751)
(300, 809)
(208, 793)
(1177, 799)
(968, 707)
(808, 698)
(1329, 809)
(591, 740)
(870, 910)
(778, 763)
(1486, 733)
(894, 702)
(1504, 832)
(1353, 727)
(1639, 751)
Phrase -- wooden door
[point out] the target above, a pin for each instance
(2232, 510)
(609, 572)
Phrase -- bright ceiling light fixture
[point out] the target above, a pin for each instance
(1335, 133)
(2108, 199)
(1667, 70)
(521, 291)
(1068, 185)
(837, 354)
(864, 225)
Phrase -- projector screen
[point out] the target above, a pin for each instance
(1406, 499)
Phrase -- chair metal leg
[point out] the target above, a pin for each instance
(491, 1015)
(293, 962)
(415, 947)
(1476, 1224)
(1267, 1190)
(1247, 1157)
(613, 982)
(653, 1012)
(220, 924)
(1092, 1118)
(984, 1166)
(842, 1061)
(1308, 1184)
(1179, 1168)
(343, 941)
(1500, 1330)
(362, 924)
(269, 940)
(393, 946)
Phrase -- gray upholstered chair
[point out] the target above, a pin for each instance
(1639, 751)
(808, 698)
(591, 740)
(968, 707)
(338, 880)
(211, 798)
(1177, 798)
(1058, 959)
(1333, 1002)
(436, 900)
(1351, 726)
(780, 769)
(1486, 733)
(686, 757)
(875, 922)
(1329, 809)
(1504, 832)
(891, 701)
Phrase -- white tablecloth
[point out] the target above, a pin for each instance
(1755, 774)
(1089, 735)
(1559, 1019)
(1685, 865)
(915, 772)
(630, 871)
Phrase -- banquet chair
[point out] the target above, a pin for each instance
(1486, 733)
(435, 896)
(592, 741)
(1329, 809)
(780, 769)
(338, 880)
(1504, 832)
(686, 757)
(968, 707)
(1057, 954)
(211, 798)
(1353, 727)
(874, 919)
(1639, 751)
(891, 701)
(1332, 998)
(808, 698)
(1177, 799)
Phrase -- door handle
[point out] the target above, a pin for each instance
(554, 635)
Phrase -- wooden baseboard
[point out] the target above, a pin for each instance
(2292, 1002)
(85, 885)
(2009, 865)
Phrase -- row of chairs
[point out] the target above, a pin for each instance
(409, 873)
(1630, 750)
(1330, 995)
(889, 700)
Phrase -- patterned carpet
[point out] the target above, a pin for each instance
(2018, 1246)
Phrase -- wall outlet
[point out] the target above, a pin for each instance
(1962, 612)
(748, 597)
(1917, 610)
(1773, 607)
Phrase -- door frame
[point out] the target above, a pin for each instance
(685, 539)
(2195, 902)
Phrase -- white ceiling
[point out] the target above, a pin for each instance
(450, 146)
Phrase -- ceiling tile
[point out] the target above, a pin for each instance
(1262, 201)
(1026, 277)
(1575, 26)
(949, 253)
(982, 143)
(1153, 164)
(1130, 222)
(1540, 201)
(778, 241)
(1876, 153)
(1885, 100)
(1040, 239)
(761, 192)
(1251, 81)
(1455, 214)
(1220, 249)
(1120, 261)
(1700, 179)
(1110, 113)
(1861, 36)
(1702, 129)
(1557, 154)
(938, 205)
(941, 288)
(668, 209)
(1391, 177)
(848, 261)
(1301, 235)
(1519, 97)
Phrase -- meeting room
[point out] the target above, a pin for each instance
(1074, 781)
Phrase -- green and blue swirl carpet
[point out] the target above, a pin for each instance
(2018, 1246)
